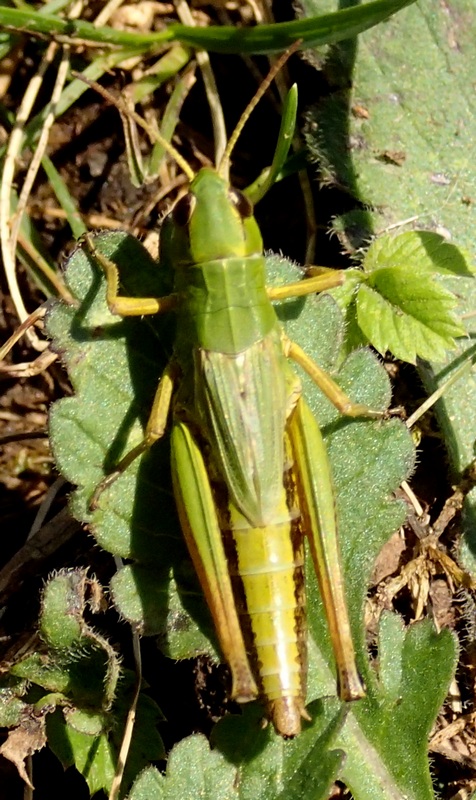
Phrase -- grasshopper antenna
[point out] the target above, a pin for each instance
(125, 111)
(224, 165)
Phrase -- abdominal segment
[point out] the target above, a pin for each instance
(268, 578)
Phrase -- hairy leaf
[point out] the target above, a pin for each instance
(136, 518)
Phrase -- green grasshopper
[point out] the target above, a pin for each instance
(250, 471)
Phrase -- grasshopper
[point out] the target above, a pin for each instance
(250, 471)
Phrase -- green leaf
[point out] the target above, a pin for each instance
(403, 307)
(407, 314)
(370, 458)
(224, 39)
(148, 784)
(193, 770)
(156, 603)
(62, 624)
(400, 142)
(12, 707)
(75, 660)
(420, 250)
(90, 754)
(91, 741)
(269, 767)
(398, 302)
(250, 763)
(79, 670)
(386, 735)
(81, 677)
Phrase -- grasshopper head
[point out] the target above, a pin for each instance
(213, 221)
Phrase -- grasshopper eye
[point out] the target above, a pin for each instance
(183, 210)
(241, 203)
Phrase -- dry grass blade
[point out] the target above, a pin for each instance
(153, 134)
(41, 546)
(32, 319)
(130, 720)
(39, 151)
(13, 152)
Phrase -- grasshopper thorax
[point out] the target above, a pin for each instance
(212, 221)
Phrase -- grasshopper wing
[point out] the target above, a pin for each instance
(244, 403)
(202, 533)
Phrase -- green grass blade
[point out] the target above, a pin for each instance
(325, 29)
(65, 200)
(257, 190)
(314, 31)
